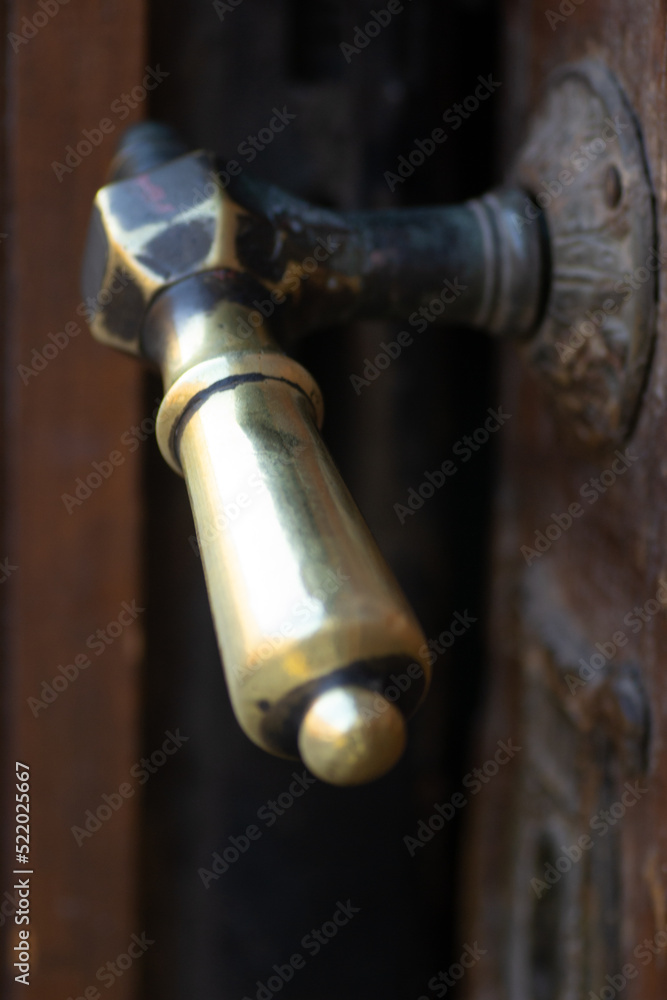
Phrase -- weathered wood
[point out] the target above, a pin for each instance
(580, 745)
(353, 121)
(74, 568)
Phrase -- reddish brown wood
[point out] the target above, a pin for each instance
(611, 560)
(74, 569)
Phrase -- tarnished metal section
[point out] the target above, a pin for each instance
(584, 165)
(568, 249)
(517, 265)
(148, 232)
(312, 268)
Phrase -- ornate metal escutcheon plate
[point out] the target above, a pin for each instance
(584, 164)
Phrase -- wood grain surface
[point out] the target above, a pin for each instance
(581, 744)
(76, 563)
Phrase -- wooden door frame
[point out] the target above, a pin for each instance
(65, 403)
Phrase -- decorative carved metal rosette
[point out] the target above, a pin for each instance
(584, 165)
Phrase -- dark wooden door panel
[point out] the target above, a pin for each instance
(70, 706)
(567, 870)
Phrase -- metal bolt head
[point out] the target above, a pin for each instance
(146, 233)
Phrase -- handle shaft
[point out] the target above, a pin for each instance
(303, 603)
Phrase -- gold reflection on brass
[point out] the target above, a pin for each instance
(297, 586)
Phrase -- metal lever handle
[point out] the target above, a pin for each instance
(311, 624)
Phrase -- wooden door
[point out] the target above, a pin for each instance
(70, 529)
(567, 866)
(89, 540)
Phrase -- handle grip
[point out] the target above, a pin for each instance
(310, 621)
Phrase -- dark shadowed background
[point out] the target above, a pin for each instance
(353, 121)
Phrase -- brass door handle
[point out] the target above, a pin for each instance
(197, 272)
(310, 621)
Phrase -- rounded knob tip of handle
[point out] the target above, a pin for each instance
(351, 735)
